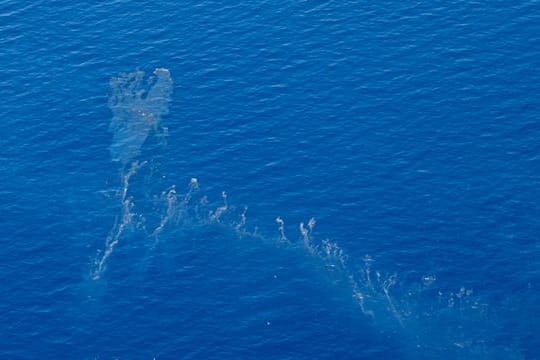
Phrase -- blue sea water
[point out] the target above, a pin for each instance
(270, 180)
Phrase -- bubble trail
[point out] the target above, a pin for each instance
(192, 188)
(388, 283)
(242, 223)
(218, 213)
(281, 229)
(171, 198)
(174, 208)
(126, 219)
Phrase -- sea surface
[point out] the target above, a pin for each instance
(270, 179)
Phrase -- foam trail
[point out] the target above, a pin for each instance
(192, 188)
(388, 283)
(171, 198)
(173, 206)
(359, 296)
(281, 229)
(367, 271)
(118, 228)
(306, 235)
(216, 214)
(242, 223)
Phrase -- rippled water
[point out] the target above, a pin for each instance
(262, 180)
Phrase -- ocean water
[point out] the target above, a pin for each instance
(270, 180)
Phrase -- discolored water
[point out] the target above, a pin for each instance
(264, 180)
